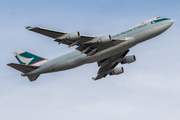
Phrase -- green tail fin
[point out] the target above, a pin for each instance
(27, 58)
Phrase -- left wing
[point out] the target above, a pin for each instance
(85, 44)
(109, 64)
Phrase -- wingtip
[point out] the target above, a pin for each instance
(8, 64)
(28, 27)
(94, 78)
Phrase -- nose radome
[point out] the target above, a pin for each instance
(171, 21)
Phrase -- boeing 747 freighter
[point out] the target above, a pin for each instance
(108, 51)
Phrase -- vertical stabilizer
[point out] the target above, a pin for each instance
(27, 58)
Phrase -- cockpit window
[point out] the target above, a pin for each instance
(159, 20)
(158, 17)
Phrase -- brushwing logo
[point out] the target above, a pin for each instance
(24, 59)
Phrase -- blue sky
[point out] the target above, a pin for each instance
(149, 88)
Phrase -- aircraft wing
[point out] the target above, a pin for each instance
(85, 44)
(107, 65)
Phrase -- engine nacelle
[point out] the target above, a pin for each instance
(117, 71)
(129, 59)
(105, 39)
(73, 36)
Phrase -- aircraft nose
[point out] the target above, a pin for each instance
(171, 22)
(168, 23)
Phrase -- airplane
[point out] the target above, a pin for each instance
(108, 51)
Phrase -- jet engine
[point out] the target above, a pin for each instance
(105, 39)
(73, 36)
(129, 59)
(117, 71)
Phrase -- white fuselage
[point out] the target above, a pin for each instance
(141, 32)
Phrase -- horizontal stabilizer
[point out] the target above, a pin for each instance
(22, 68)
(25, 69)
(32, 77)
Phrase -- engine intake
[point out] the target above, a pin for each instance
(129, 59)
(117, 71)
(105, 39)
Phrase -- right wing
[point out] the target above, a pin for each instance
(85, 44)
(107, 65)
